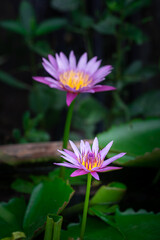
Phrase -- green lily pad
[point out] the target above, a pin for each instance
(11, 216)
(111, 193)
(139, 138)
(139, 225)
(49, 197)
(95, 229)
(104, 200)
(128, 225)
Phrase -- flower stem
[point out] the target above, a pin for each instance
(85, 210)
(66, 134)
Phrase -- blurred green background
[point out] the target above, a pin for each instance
(123, 33)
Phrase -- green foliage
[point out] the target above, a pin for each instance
(11, 81)
(11, 216)
(111, 193)
(49, 197)
(107, 25)
(81, 20)
(115, 22)
(133, 33)
(101, 231)
(53, 227)
(146, 105)
(27, 17)
(65, 5)
(53, 99)
(106, 198)
(50, 25)
(136, 138)
(130, 225)
(27, 27)
(88, 113)
(26, 186)
(136, 73)
(138, 225)
(41, 47)
(79, 180)
(31, 134)
(55, 102)
(13, 26)
(23, 186)
(128, 7)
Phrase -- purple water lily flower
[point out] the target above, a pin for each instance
(74, 78)
(88, 160)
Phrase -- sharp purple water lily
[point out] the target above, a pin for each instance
(74, 78)
(88, 160)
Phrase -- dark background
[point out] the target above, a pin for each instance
(16, 60)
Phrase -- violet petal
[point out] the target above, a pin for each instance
(70, 97)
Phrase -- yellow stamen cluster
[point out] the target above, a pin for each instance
(75, 80)
(90, 161)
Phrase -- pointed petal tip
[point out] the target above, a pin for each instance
(107, 169)
(95, 175)
(68, 103)
(111, 143)
(71, 52)
(123, 154)
(103, 88)
(70, 142)
(35, 77)
(70, 97)
(95, 145)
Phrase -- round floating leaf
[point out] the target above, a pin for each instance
(139, 225)
(111, 193)
(95, 229)
(49, 197)
(139, 138)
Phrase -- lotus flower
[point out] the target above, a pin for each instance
(88, 160)
(74, 78)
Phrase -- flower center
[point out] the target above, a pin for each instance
(75, 80)
(90, 161)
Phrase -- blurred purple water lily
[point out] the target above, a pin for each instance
(88, 160)
(74, 78)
